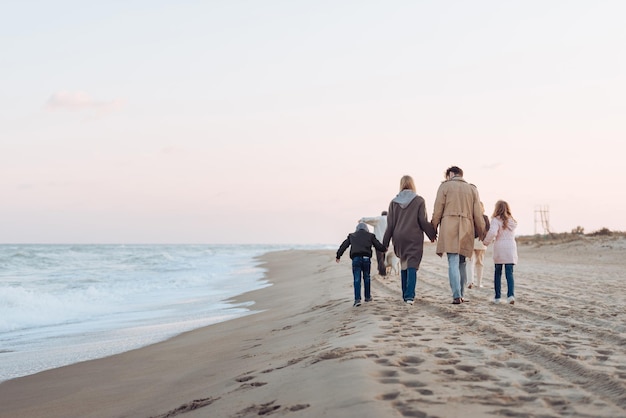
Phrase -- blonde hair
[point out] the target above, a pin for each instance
(406, 182)
(503, 211)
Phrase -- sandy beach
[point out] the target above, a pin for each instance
(559, 351)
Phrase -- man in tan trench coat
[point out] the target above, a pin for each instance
(458, 215)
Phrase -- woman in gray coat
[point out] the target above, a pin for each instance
(406, 224)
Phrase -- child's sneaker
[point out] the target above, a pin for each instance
(356, 303)
(368, 299)
(496, 301)
(511, 300)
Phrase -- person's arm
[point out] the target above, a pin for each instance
(342, 248)
(391, 221)
(440, 202)
(370, 221)
(479, 221)
(494, 227)
(378, 245)
(427, 227)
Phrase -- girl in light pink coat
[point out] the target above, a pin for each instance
(502, 234)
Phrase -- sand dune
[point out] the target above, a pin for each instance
(559, 351)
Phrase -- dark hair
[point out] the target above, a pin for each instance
(454, 169)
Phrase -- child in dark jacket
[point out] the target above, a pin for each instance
(360, 243)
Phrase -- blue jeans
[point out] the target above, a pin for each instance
(497, 280)
(463, 273)
(457, 274)
(361, 266)
(409, 280)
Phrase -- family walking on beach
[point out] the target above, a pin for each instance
(464, 233)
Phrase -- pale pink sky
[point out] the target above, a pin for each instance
(285, 122)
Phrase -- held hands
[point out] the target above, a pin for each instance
(336, 260)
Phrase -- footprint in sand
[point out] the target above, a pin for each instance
(414, 384)
(269, 408)
(444, 354)
(465, 368)
(532, 387)
(190, 406)
(388, 373)
(448, 362)
(252, 385)
(389, 396)
(410, 360)
(384, 362)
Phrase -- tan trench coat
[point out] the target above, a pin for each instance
(457, 212)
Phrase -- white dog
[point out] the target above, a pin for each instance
(392, 262)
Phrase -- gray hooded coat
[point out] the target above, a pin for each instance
(406, 224)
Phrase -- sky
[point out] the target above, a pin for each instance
(285, 122)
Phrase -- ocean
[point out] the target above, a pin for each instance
(62, 304)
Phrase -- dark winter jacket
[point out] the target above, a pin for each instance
(360, 243)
